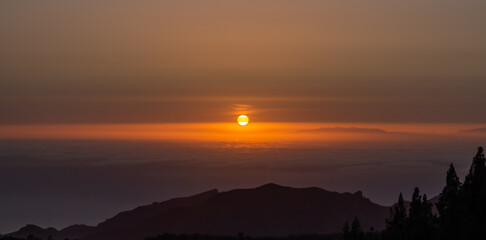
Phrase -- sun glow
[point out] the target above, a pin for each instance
(257, 133)
(243, 120)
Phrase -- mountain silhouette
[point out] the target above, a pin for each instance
(268, 210)
(71, 232)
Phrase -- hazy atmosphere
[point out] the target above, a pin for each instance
(109, 105)
(192, 61)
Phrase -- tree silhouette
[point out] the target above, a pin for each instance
(461, 208)
(371, 234)
(346, 235)
(395, 225)
(449, 207)
(429, 220)
(414, 214)
(473, 195)
(32, 237)
(420, 220)
(356, 230)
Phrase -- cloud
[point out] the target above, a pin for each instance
(241, 109)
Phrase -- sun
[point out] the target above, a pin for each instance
(243, 120)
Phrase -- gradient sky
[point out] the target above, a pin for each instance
(109, 105)
(286, 61)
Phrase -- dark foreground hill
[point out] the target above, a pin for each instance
(269, 210)
(71, 232)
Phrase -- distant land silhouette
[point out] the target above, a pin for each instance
(346, 130)
(268, 210)
(474, 130)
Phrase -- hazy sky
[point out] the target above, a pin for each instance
(193, 61)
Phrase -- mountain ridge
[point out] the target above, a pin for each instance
(267, 210)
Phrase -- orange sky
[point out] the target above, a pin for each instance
(270, 133)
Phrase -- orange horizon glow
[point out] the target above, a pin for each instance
(232, 132)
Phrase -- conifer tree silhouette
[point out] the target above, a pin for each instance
(356, 230)
(395, 225)
(420, 219)
(449, 207)
(346, 235)
(473, 196)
